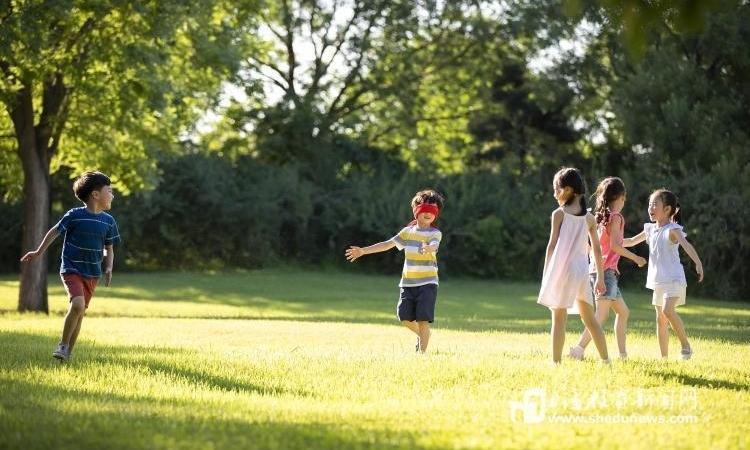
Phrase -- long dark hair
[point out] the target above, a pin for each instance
(609, 190)
(572, 178)
(668, 198)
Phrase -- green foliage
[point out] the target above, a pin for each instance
(132, 78)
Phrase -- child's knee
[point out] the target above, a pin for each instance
(78, 305)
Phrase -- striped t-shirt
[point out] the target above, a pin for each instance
(86, 235)
(419, 268)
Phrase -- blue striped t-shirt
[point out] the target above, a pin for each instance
(85, 235)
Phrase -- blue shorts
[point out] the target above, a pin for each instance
(417, 303)
(612, 288)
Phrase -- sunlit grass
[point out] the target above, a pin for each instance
(303, 359)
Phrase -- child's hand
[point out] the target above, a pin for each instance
(107, 277)
(423, 248)
(640, 261)
(599, 287)
(29, 256)
(354, 252)
(699, 271)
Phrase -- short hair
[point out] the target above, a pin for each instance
(429, 196)
(89, 182)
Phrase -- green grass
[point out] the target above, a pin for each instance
(291, 359)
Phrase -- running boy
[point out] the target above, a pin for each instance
(89, 234)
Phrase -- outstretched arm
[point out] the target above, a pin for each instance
(48, 239)
(354, 252)
(676, 235)
(615, 234)
(635, 240)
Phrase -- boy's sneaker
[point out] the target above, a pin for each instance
(416, 348)
(576, 352)
(61, 352)
(686, 353)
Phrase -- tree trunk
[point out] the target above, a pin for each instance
(36, 187)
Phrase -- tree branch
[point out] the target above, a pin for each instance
(354, 73)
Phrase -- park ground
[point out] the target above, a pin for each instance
(295, 358)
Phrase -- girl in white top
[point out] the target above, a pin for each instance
(666, 277)
(565, 283)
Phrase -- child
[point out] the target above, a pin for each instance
(88, 231)
(419, 278)
(666, 276)
(609, 200)
(565, 283)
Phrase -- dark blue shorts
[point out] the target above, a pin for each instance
(417, 303)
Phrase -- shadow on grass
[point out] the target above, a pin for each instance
(46, 416)
(463, 304)
(699, 381)
(155, 359)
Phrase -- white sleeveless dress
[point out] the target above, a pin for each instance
(567, 276)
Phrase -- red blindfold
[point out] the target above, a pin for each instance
(426, 208)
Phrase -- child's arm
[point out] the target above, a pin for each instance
(48, 239)
(615, 234)
(597, 248)
(354, 252)
(635, 240)
(677, 237)
(109, 258)
(433, 246)
(554, 234)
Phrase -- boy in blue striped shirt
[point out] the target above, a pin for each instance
(419, 279)
(88, 231)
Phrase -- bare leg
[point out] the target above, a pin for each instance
(621, 323)
(77, 330)
(675, 321)
(559, 319)
(412, 325)
(424, 335)
(602, 314)
(662, 332)
(76, 308)
(597, 334)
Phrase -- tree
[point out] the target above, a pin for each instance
(105, 84)
(354, 68)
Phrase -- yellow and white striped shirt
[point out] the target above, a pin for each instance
(419, 268)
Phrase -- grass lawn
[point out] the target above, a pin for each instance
(291, 358)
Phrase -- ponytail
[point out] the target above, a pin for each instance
(677, 216)
(609, 190)
(668, 198)
(570, 177)
(583, 205)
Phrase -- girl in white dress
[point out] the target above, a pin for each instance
(666, 276)
(565, 283)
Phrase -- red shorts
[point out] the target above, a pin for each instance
(79, 286)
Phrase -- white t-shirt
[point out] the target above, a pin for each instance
(664, 264)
